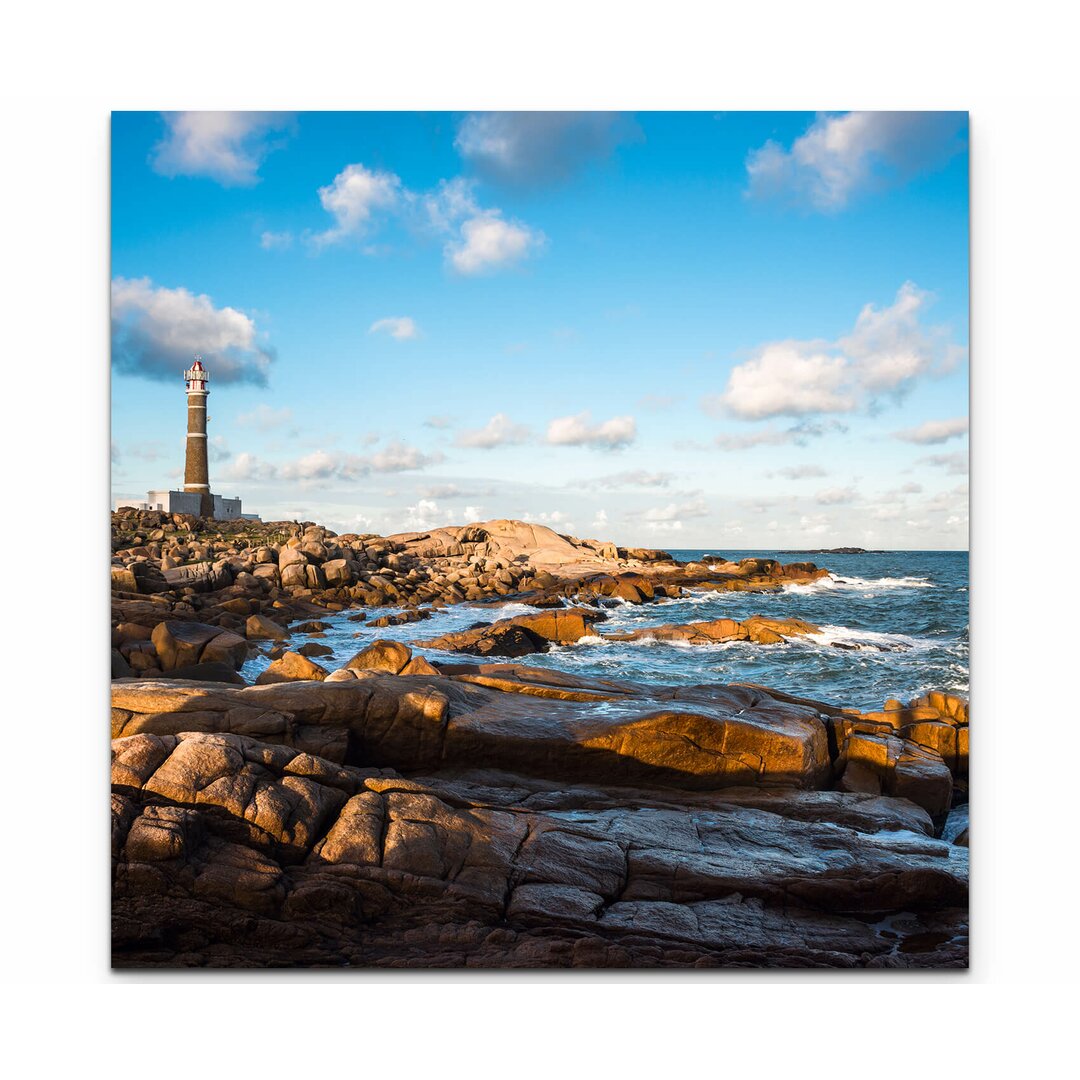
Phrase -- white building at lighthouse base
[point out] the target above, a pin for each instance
(187, 502)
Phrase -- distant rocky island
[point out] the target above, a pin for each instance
(833, 551)
(463, 809)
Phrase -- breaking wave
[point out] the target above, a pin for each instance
(868, 586)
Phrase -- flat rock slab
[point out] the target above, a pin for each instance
(694, 738)
(229, 851)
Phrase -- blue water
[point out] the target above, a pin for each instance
(914, 603)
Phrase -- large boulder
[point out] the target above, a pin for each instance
(181, 643)
(226, 648)
(263, 628)
(386, 656)
(292, 667)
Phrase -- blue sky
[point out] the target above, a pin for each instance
(728, 330)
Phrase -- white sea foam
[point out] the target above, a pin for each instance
(869, 586)
(504, 611)
(866, 639)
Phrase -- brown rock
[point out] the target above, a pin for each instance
(388, 656)
(418, 666)
(292, 667)
(181, 643)
(520, 635)
(262, 628)
(228, 648)
(313, 648)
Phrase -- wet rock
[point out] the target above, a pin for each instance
(313, 648)
(520, 635)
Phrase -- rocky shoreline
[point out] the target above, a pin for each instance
(402, 811)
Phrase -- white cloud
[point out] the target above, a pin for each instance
(276, 241)
(841, 155)
(450, 202)
(555, 518)
(670, 517)
(225, 146)
(265, 418)
(836, 496)
(800, 434)
(157, 331)
(814, 524)
(800, 472)
(424, 515)
(696, 508)
(472, 513)
(500, 430)
(789, 379)
(579, 430)
(322, 467)
(886, 513)
(487, 242)
(478, 239)
(526, 148)
(399, 327)
(246, 467)
(600, 521)
(355, 196)
(633, 478)
(397, 457)
(440, 491)
(955, 464)
(887, 349)
(934, 431)
(218, 449)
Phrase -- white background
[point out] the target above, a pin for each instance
(64, 67)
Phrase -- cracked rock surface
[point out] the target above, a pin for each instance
(498, 816)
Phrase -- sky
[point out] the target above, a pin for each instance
(678, 330)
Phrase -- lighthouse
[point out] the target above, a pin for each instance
(196, 467)
(196, 498)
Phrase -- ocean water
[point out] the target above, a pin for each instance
(907, 611)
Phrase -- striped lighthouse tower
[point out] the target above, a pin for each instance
(196, 469)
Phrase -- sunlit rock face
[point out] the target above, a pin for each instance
(497, 815)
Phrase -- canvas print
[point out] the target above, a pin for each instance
(539, 540)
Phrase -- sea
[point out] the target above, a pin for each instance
(905, 613)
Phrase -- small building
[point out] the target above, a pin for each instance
(188, 502)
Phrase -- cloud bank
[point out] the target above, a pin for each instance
(227, 147)
(156, 331)
(532, 148)
(886, 351)
(840, 156)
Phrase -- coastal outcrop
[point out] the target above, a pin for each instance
(757, 629)
(405, 811)
(519, 635)
(499, 815)
(256, 578)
